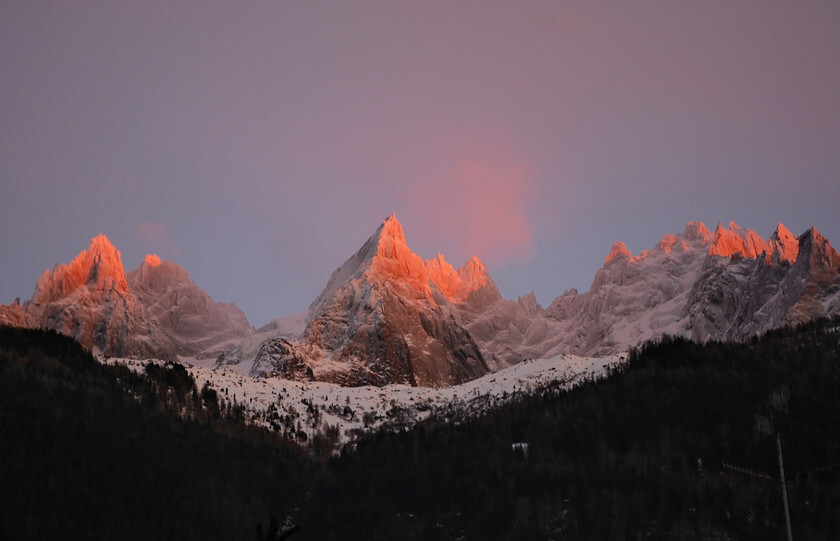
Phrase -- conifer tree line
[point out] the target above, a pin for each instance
(96, 451)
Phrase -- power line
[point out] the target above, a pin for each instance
(747, 471)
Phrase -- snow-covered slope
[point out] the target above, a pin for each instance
(302, 410)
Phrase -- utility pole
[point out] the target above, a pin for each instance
(784, 488)
(764, 427)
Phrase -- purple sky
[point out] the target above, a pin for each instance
(259, 144)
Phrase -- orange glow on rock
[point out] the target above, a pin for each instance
(668, 242)
(473, 277)
(395, 263)
(443, 275)
(618, 252)
(152, 260)
(784, 246)
(737, 241)
(98, 267)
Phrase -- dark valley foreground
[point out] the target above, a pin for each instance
(98, 452)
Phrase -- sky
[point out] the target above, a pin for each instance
(259, 144)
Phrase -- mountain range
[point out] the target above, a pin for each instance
(387, 316)
(153, 311)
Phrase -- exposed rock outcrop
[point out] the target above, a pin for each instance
(729, 285)
(384, 317)
(154, 311)
(188, 317)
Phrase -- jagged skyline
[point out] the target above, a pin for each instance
(256, 146)
(387, 316)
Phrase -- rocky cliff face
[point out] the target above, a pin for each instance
(791, 281)
(89, 299)
(188, 317)
(631, 299)
(726, 285)
(385, 316)
(154, 311)
(13, 315)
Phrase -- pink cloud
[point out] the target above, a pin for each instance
(481, 208)
(155, 238)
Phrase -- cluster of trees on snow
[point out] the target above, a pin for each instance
(97, 451)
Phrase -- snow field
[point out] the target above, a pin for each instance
(304, 410)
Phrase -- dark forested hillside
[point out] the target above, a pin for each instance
(637, 456)
(89, 451)
(96, 452)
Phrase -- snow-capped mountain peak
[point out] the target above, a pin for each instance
(154, 310)
(152, 260)
(697, 232)
(819, 259)
(387, 316)
(737, 241)
(474, 276)
(106, 264)
(618, 253)
(784, 247)
(695, 235)
(444, 276)
(384, 316)
(459, 285)
(99, 268)
(395, 262)
(384, 258)
(184, 314)
(155, 275)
